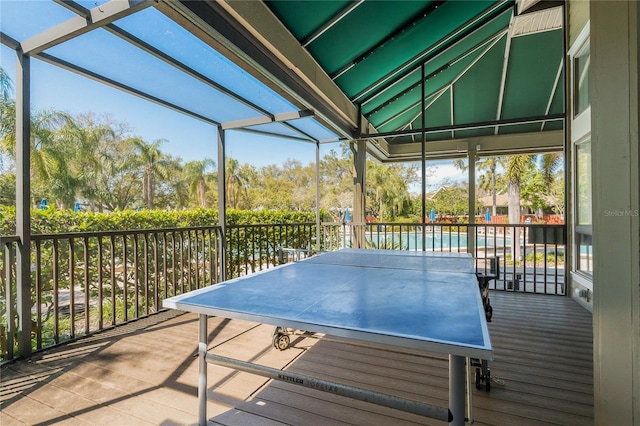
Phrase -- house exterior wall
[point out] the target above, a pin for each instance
(615, 180)
(578, 15)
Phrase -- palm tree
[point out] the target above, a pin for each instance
(6, 85)
(489, 166)
(516, 167)
(48, 167)
(85, 142)
(197, 176)
(377, 177)
(388, 186)
(237, 182)
(154, 164)
(7, 116)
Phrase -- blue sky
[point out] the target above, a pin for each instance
(104, 53)
(187, 138)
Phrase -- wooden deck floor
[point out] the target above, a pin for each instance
(145, 373)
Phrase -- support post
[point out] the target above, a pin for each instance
(318, 223)
(423, 158)
(23, 204)
(359, 194)
(471, 230)
(222, 203)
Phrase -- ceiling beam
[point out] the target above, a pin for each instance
(266, 119)
(9, 41)
(98, 16)
(485, 146)
(469, 126)
(505, 68)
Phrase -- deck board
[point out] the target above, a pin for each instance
(145, 372)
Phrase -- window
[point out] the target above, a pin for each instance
(582, 230)
(581, 68)
(583, 219)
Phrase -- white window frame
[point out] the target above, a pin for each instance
(580, 132)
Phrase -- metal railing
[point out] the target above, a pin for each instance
(525, 258)
(86, 282)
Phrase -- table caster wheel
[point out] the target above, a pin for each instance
(488, 311)
(281, 341)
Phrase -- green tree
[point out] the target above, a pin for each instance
(198, 175)
(154, 164)
(117, 185)
(81, 143)
(237, 183)
(387, 189)
(452, 199)
(336, 182)
(489, 166)
(7, 189)
(49, 173)
(517, 166)
(7, 112)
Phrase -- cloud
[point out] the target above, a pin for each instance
(447, 171)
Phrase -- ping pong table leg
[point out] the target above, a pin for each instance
(456, 389)
(202, 370)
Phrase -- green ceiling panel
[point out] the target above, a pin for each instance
(439, 112)
(557, 103)
(365, 27)
(434, 84)
(303, 18)
(554, 125)
(439, 136)
(474, 133)
(477, 92)
(391, 92)
(533, 65)
(472, 45)
(399, 140)
(408, 101)
(520, 128)
(461, 52)
(401, 120)
(404, 47)
(374, 55)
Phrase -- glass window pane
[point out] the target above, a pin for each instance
(581, 80)
(583, 231)
(583, 183)
(584, 253)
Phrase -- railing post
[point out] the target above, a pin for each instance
(23, 205)
(9, 260)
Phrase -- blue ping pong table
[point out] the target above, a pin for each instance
(419, 300)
